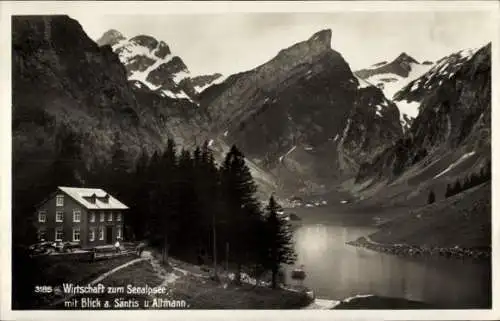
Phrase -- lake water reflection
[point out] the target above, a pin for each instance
(336, 270)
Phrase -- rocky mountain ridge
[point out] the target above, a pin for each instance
(303, 115)
(153, 64)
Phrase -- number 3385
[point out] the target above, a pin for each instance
(43, 289)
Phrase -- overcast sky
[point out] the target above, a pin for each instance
(230, 43)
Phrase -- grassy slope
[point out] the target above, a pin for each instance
(198, 292)
(464, 220)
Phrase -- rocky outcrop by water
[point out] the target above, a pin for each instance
(420, 251)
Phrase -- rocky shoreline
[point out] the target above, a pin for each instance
(420, 251)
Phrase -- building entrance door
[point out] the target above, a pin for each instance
(109, 235)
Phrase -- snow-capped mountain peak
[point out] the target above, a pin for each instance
(390, 77)
(152, 63)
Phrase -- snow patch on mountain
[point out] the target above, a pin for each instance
(409, 108)
(178, 95)
(287, 153)
(390, 83)
(362, 83)
(408, 98)
(455, 164)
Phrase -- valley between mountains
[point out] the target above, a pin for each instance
(375, 142)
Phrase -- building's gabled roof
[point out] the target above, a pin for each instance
(102, 200)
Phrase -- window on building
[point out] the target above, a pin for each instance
(92, 217)
(119, 232)
(101, 233)
(42, 216)
(59, 234)
(60, 200)
(59, 216)
(101, 218)
(42, 235)
(110, 216)
(76, 215)
(76, 234)
(92, 234)
(118, 216)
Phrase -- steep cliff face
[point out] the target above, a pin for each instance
(453, 124)
(303, 115)
(62, 78)
(152, 63)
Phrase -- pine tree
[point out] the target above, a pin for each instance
(140, 211)
(278, 237)
(432, 198)
(119, 178)
(449, 191)
(207, 185)
(241, 210)
(153, 227)
(167, 203)
(457, 188)
(189, 209)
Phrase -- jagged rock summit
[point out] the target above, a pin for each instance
(152, 63)
(110, 37)
(303, 115)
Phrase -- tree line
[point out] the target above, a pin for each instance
(469, 181)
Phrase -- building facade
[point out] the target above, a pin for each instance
(88, 216)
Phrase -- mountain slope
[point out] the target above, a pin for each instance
(451, 136)
(463, 220)
(412, 94)
(292, 115)
(152, 63)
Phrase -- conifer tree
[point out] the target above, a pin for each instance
(448, 192)
(153, 229)
(118, 176)
(278, 237)
(457, 188)
(432, 198)
(139, 213)
(241, 208)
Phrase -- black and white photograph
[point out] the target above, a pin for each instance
(274, 159)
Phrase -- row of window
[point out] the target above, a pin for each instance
(42, 216)
(59, 235)
(102, 216)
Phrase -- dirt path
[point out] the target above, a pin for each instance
(99, 279)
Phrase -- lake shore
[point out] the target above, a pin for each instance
(379, 302)
(422, 251)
